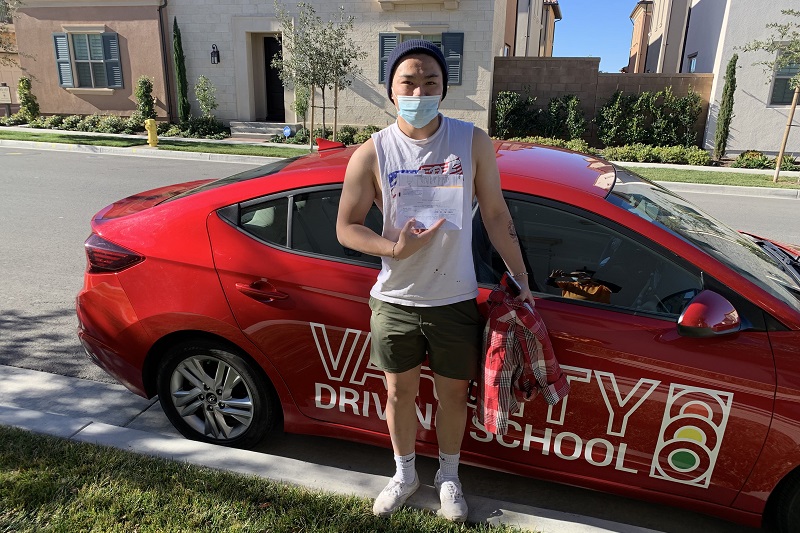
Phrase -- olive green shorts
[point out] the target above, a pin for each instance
(450, 335)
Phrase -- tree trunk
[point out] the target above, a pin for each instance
(311, 131)
(335, 109)
(323, 111)
(779, 159)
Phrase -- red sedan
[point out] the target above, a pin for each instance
(234, 302)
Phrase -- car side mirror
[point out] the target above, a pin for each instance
(708, 315)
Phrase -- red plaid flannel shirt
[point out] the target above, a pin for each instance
(518, 362)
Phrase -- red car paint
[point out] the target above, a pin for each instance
(710, 424)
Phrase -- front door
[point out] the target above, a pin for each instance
(275, 110)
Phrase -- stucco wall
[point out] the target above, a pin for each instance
(226, 23)
(547, 78)
(756, 124)
(703, 35)
(140, 54)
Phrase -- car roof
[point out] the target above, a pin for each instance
(518, 162)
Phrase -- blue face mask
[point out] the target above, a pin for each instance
(418, 111)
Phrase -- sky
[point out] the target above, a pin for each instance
(595, 28)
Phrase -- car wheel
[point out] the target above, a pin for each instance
(212, 394)
(784, 515)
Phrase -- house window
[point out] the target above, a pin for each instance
(452, 45)
(89, 60)
(693, 63)
(782, 91)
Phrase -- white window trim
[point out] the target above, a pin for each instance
(421, 29)
(388, 5)
(89, 90)
(83, 28)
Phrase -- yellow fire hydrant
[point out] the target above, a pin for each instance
(152, 132)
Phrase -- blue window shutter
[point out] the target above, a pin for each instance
(453, 48)
(112, 62)
(386, 43)
(63, 63)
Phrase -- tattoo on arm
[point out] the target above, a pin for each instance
(512, 232)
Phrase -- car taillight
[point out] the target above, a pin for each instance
(105, 256)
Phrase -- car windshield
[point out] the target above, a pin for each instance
(740, 252)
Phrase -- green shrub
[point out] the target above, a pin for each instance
(301, 136)
(365, 133)
(134, 123)
(788, 163)
(514, 114)
(38, 122)
(53, 122)
(111, 124)
(172, 131)
(28, 106)
(697, 156)
(89, 123)
(71, 122)
(145, 104)
(15, 120)
(346, 134)
(203, 127)
(563, 118)
(670, 154)
(319, 133)
(752, 159)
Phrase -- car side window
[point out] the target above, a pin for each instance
(576, 258)
(313, 227)
(266, 220)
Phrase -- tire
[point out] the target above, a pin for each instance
(784, 515)
(211, 394)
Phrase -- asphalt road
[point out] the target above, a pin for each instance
(46, 202)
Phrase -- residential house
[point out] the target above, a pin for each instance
(85, 55)
(697, 36)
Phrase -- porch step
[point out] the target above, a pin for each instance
(268, 129)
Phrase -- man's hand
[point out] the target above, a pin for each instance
(412, 239)
(525, 294)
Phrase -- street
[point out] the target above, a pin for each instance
(46, 204)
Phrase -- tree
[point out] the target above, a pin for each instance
(8, 9)
(205, 92)
(784, 46)
(317, 54)
(184, 107)
(725, 110)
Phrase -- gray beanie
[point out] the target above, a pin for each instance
(414, 46)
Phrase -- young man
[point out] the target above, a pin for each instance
(424, 172)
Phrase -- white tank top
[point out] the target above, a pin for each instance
(442, 272)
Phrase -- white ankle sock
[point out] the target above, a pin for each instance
(406, 468)
(448, 466)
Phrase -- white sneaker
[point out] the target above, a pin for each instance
(394, 496)
(454, 506)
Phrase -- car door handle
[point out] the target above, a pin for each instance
(256, 291)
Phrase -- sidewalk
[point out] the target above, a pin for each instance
(110, 415)
(146, 151)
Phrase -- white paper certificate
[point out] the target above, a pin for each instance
(429, 197)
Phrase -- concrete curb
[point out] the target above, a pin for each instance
(294, 472)
(144, 151)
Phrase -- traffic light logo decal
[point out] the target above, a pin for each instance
(691, 435)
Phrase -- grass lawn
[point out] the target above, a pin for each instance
(164, 143)
(50, 484)
(715, 178)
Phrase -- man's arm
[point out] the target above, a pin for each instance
(494, 211)
(359, 192)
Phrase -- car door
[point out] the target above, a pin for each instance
(648, 408)
(302, 298)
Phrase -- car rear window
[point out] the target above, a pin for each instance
(258, 172)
